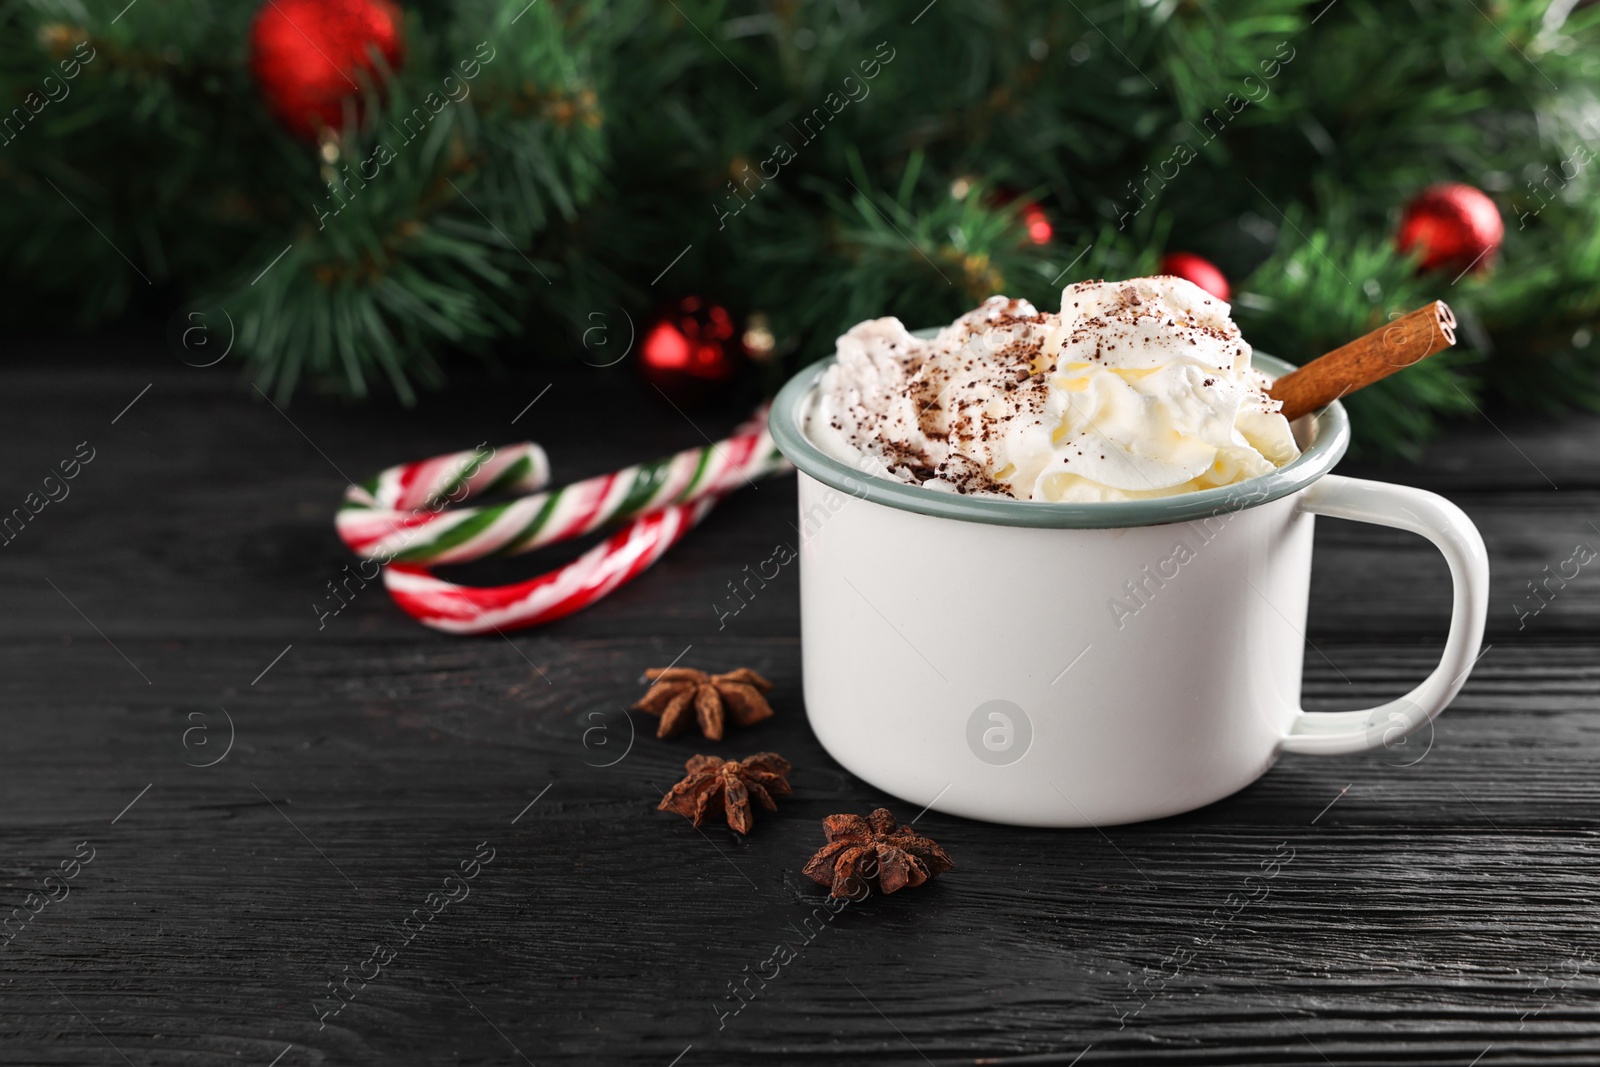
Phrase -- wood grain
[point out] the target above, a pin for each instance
(1440, 901)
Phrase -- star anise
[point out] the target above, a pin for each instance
(874, 852)
(735, 782)
(712, 698)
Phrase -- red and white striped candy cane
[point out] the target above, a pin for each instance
(474, 610)
(399, 518)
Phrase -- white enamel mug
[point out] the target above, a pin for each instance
(1088, 664)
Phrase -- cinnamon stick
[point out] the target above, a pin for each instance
(1390, 347)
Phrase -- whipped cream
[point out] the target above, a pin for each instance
(1141, 388)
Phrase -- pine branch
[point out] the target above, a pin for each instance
(604, 141)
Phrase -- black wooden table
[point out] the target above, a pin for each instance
(1431, 904)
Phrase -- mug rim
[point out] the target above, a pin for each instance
(1330, 439)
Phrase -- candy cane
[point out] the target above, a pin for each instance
(399, 518)
(386, 519)
(468, 610)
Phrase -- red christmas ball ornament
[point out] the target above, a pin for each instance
(1038, 224)
(1193, 268)
(310, 56)
(691, 348)
(1455, 226)
(1034, 220)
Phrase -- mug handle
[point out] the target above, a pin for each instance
(1333, 733)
